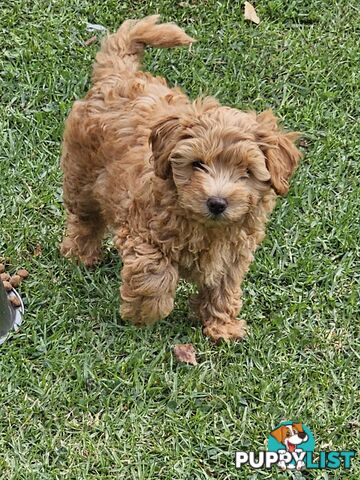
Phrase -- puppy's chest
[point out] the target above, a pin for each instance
(206, 264)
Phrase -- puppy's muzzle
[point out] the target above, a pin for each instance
(216, 205)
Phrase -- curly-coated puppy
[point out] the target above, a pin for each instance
(186, 187)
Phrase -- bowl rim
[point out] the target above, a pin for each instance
(18, 315)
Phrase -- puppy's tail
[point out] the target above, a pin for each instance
(122, 50)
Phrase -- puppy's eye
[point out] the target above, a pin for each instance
(245, 175)
(198, 166)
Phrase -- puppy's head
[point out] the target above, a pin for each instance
(222, 161)
(290, 435)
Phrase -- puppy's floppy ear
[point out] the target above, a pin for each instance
(281, 154)
(163, 138)
(298, 426)
(279, 434)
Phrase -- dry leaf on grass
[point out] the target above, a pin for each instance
(90, 40)
(185, 353)
(250, 13)
(38, 250)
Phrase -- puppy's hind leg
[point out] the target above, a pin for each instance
(83, 238)
(85, 226)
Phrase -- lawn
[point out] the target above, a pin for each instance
(86, 396)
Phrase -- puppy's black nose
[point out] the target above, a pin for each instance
(302, 435)
(216, 205)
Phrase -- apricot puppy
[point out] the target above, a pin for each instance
(185, 186)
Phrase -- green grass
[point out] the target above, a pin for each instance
(85, 396)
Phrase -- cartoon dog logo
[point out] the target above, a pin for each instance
(291, 436)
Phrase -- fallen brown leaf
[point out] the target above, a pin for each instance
(38, 250)
(185, 353)
(90, 40)
(250, 13)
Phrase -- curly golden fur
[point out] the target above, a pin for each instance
(185, 187)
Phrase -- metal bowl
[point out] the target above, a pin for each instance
(10, 317)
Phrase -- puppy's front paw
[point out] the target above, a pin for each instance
(233, 330)
(143, 311)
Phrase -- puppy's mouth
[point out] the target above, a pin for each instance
(291, 447)
(225, 218)
(211, 219)
(219, 217)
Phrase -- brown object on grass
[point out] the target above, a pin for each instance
(2, 268)
(7, 286)
(14, 300)
(4, 277)
(250, 13)
(186, 186)
(38, 250)
(22, 273)
(90, 40)
(185, 352)
(15, 280)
